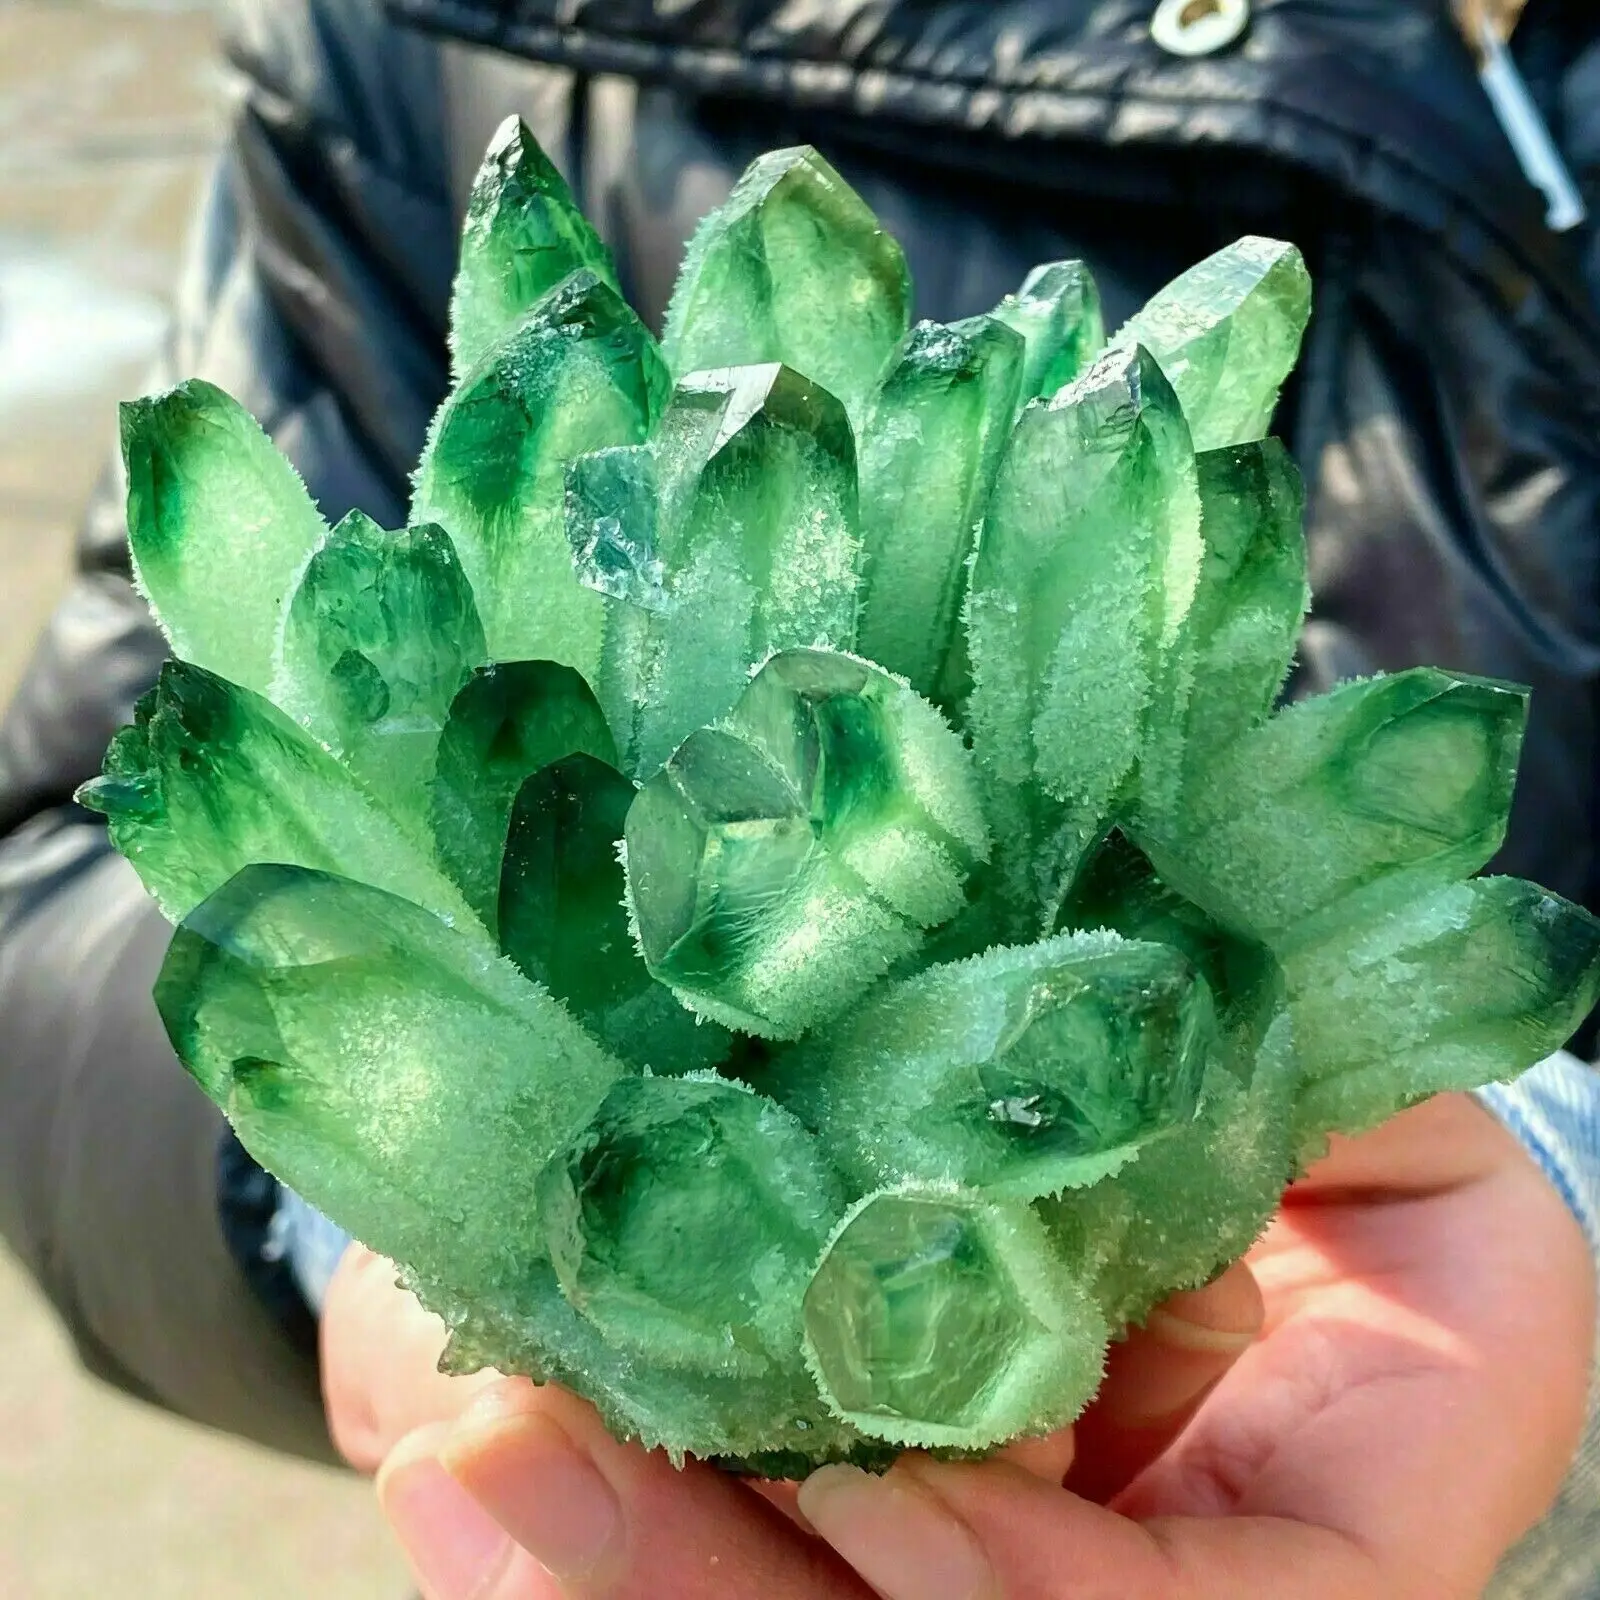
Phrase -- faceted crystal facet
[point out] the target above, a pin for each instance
(929, 451)
(757, 535)
(1221, 674)
(1088, 563)
(1252, 595)
(1022, 1072)
(1194, 1201)
(378, 636)
(212, 778)
(1227, 333)
(391, 1070)
(781, 862)
(793, 268)
(611, 525)
(1119, 890)
(1057, 311)
(1403, 782)
(561, 914)
(1456, 989)
(219, 525)
(523, 235)
(506, 724)
(668, 1160)
(940, 1319)
(578, 373)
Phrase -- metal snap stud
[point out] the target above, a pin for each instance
(1198, 27)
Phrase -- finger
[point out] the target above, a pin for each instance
(1047, 1457)
(614, 1522)
(454, 1547)
(947, 1531)
(380, 1361)
(784, 1494)
(1158, 1378)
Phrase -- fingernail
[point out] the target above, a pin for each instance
(1224, 1316)
(896, 1535)
(541, 1486)
(1180, 1333)
(453, 1544)
(1047, 1457)
(1187, 1345)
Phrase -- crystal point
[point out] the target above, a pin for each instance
(212, 778)
(1252, 595)
(1405, 782)
(379, 634)
(930, 448)
(670, 1159)
(523, 234)
(781, 862)
(219, 525)
(318, 1012)
(793, 268)
(942, 1319)
(1088, 563)
(577, 373)
(1227, 333)
(1458, 988)
(1019, 1073)
(757, 533)
(1057, 313)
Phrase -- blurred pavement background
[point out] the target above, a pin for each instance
(108, 116)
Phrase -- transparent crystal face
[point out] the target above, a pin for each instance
(912, 1315)
(780, 861)
(1090, 1068)
(667, 1161)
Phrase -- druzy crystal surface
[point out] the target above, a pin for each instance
(783, 898)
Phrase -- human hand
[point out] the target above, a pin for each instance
(380, 1362)
(1409, 1409)
(617, 1521)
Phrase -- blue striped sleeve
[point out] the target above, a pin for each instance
(1554, 1110)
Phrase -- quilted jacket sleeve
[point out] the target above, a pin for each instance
(316, 293)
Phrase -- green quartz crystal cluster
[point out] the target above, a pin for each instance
(782, 898)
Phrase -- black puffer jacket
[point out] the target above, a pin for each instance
(1447, 417)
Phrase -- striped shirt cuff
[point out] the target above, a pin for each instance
(1554, 1111)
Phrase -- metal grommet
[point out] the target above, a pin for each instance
(1198, 27)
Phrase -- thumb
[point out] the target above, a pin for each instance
(1158, 1377)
